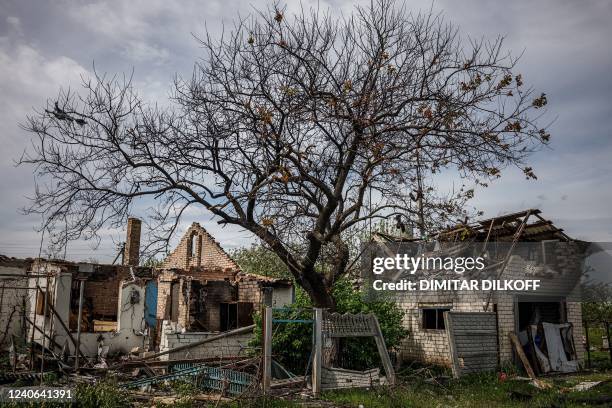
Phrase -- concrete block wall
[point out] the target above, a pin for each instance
(574, 316)
(428, 345)
(172, 337)
(338, 378)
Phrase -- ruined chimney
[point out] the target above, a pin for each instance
(131, 253)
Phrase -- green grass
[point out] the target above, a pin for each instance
(474, 391)
(470, 392)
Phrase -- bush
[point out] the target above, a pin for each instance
(104, 394)
(292, 342)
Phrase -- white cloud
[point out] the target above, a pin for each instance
(27, 79)
(565, 55)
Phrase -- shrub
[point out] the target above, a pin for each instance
(104, 394)
(292, 343)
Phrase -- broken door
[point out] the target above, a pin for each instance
(472, 340)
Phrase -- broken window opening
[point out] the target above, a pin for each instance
(197, 307)
(174, 301)
(100, 300)
(433, 318)
(245, 314)
(40, 303)
(193, 246)
(228, 316)
(533, 313)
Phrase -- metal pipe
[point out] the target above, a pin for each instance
(78, 339)
(34, 317)
(588, 342)
(240, 330)
(609, 342)
(44, 329)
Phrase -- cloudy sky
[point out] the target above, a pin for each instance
(566, 53)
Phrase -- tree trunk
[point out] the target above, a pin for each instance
(320, 294)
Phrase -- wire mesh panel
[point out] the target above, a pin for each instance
(349, 325)
(209, 378)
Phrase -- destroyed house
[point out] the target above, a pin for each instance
(198, 289)
(110, 299)
(482, 322)
(201, 288)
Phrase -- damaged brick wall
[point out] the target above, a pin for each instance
(217, 292)
(173, 293)
(249, 291)
(214, 273)
(104, 298)
(203, 251)
(431, 346)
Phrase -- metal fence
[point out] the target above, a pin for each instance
(597, 341)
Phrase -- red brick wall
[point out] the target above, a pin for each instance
(104, 296)
(131, 254)
(208, 252)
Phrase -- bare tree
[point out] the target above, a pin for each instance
(298, 129)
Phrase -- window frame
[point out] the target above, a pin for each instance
(439, 317)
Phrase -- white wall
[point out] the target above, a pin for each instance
(11, 303)
(130, 325)
(282, 296)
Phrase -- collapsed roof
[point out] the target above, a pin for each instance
(527, 225)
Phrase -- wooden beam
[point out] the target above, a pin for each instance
(382, 350)
(509, 217)
(267, 349)
(451, 345)
(53, 342)
(519, 351)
